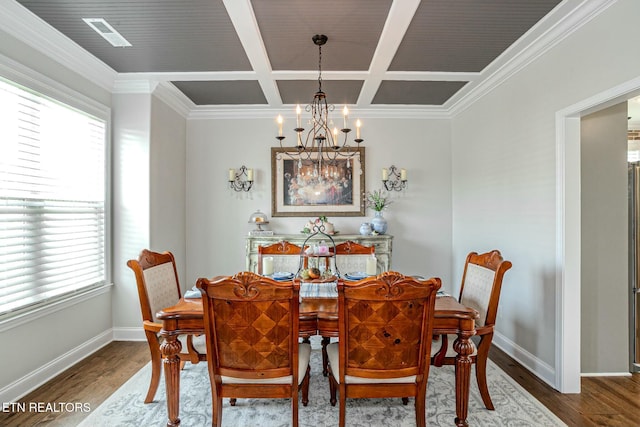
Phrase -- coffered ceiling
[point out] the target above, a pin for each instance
(381, 54)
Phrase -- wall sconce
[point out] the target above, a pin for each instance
(236, 180)
(394, 178)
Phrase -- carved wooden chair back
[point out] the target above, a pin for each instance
(251, 324)
(352, 256)
(481, 287)
(286, 256)
(385, 327)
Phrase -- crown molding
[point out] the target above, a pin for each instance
(206, 112)
(130, 86)
(25, 76)
(563, 21)
(175, 99)
(165, 91)
(22, 24)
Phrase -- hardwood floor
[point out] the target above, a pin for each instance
(90, 381)
(604, 401)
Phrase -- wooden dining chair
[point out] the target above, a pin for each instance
(352, 256)
(286, 256)
(158, 288)
(480, 290)
(385, 327)
(251, 324)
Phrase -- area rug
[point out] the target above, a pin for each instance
(514, 406)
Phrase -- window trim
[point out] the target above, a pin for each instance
(31, 80)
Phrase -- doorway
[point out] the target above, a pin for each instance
(568, 276)
(604, 244)
(633, 157)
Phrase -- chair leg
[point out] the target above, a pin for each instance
(421, 407)
(194, 356)
(333, 385)
(325, 358)
(438, 358)
(294, 408)
(405, 401)
(481, 370)
(216, 412)
(156, 366)
(305, 387)
(343, 407)
(232, 401)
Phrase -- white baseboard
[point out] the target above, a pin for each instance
(537, 367)
(24, 385)
(129, 334)
(606, 374)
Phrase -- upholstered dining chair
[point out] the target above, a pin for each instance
(352, 256)
(385, 327)
(251, 324)
(286, 256)
(481, 286)
(158, 287)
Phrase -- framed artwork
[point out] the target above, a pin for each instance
(316, 187)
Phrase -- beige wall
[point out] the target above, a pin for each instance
(605, 240)
(506, 176)
(148, 196)
(217, 218)
(167, 183)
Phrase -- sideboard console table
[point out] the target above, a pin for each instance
(382, 243)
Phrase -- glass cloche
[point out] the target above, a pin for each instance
(259, 219)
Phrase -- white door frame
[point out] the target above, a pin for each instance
(568, 285)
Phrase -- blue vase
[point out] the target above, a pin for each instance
(379, 223)
(365, 228)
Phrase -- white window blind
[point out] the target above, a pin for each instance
(52, 199)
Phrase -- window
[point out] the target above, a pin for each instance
(52, 199)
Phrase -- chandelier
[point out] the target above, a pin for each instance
(323, 141)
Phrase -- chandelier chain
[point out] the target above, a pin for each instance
(319, 68)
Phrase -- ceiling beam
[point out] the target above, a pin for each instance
(244, 21)
(400, 16)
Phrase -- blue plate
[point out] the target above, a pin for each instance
(282, 275)
(192, 293)
(356, 275)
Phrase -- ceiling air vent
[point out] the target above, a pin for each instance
(109, 33)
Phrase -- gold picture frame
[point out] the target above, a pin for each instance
(298, 188)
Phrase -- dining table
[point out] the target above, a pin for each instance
(318, 316)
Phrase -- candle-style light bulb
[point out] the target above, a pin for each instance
(298, 113)
(403, 174)
(358, 124)
(345, 112)
(232, 174)
(280, 125)
(385, 174)
(250, 175)
(335, 136)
